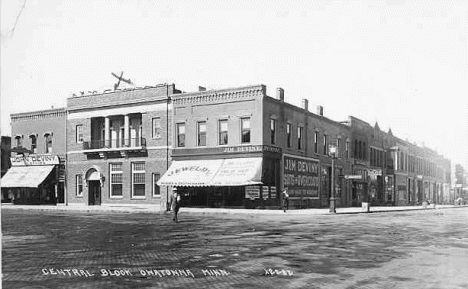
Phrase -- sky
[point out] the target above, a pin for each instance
(403, 64)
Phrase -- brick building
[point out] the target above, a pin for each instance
(118, 146)
(38, 157)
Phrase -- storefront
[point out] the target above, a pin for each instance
(230, 177)
(33, 179)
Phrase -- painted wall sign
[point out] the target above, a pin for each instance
(226, 150)
(301, 176)
(273, 192)
(265, 190)
(35, 160)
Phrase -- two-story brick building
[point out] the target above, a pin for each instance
(38, 158)
(118, 146)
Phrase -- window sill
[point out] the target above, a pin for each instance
(138, 198)
(116, 197)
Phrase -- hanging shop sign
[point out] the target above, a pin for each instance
(35, 160)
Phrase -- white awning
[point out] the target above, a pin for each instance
(25, 176)
(190, 173)
(221, 172)
(239, 172)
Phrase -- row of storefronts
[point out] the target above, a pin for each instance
(231, 148)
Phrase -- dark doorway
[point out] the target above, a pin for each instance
(94, 193)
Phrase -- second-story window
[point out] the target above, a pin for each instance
(48, 143)
(288, 134)
(181, 135)
(347, 149)
(19, 141)
(201, 141)
(338, 148)
(223, 132)
(157, 128)
(316, 138)
(245, 127)
(273, 130)
(300, 137)
(79, 133)
(33, 139)
(325, 145)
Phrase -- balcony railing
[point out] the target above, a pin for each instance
(123, 143)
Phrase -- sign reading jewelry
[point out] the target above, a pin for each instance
(301, 176)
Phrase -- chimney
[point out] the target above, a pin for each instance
(305, 104)
(201, 88)
(280, 94)
(320, 110)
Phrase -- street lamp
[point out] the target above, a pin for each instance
(332, 149)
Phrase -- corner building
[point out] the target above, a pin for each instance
(118, 146)
(240, 147)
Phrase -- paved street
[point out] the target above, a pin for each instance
(75, 249)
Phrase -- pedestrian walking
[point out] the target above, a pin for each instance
(285, 200)
(175, 204)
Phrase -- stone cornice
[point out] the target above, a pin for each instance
(219, 95)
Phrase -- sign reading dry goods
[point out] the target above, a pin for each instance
(252, 192)
(35, 160)
(301, 176)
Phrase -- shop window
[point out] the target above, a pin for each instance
(79, 133)
(273, 131)
(300, 137)
(156, 188)
(223, 132)
(79, 185)
(138, 180)
(245, 127)
(201, 131)
(316, 138)
(48, 143)
(288, 134)
(181, 135)
(157, 128)
(33, 140)
(116, 180)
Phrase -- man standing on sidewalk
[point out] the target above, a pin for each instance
(285, 200)
(175, 204)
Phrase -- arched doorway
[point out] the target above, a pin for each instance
(93, 179)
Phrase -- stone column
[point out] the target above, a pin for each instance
(106, 132)
(127, 129)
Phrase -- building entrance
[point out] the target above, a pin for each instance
(94, 193)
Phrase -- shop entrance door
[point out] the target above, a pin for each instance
(94, 193)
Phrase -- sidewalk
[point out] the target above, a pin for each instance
(155, 209)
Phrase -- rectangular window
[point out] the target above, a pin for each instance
(223, 132)
(299, 137)
(156, 188)
(79, 133)
(181, 135)
(116, 180)
(138, 180)
(324, 144)
(338, 148)
(48, 143)
(316, 137)
(288, 134)
(245, 127)
(33, 144)
(157, 128)
(201, 131)
(347, 149)
(273, 131)
(19, 141)
(79, 185)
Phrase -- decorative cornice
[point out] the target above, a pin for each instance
(220, 95)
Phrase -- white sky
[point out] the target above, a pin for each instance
(401, 63)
